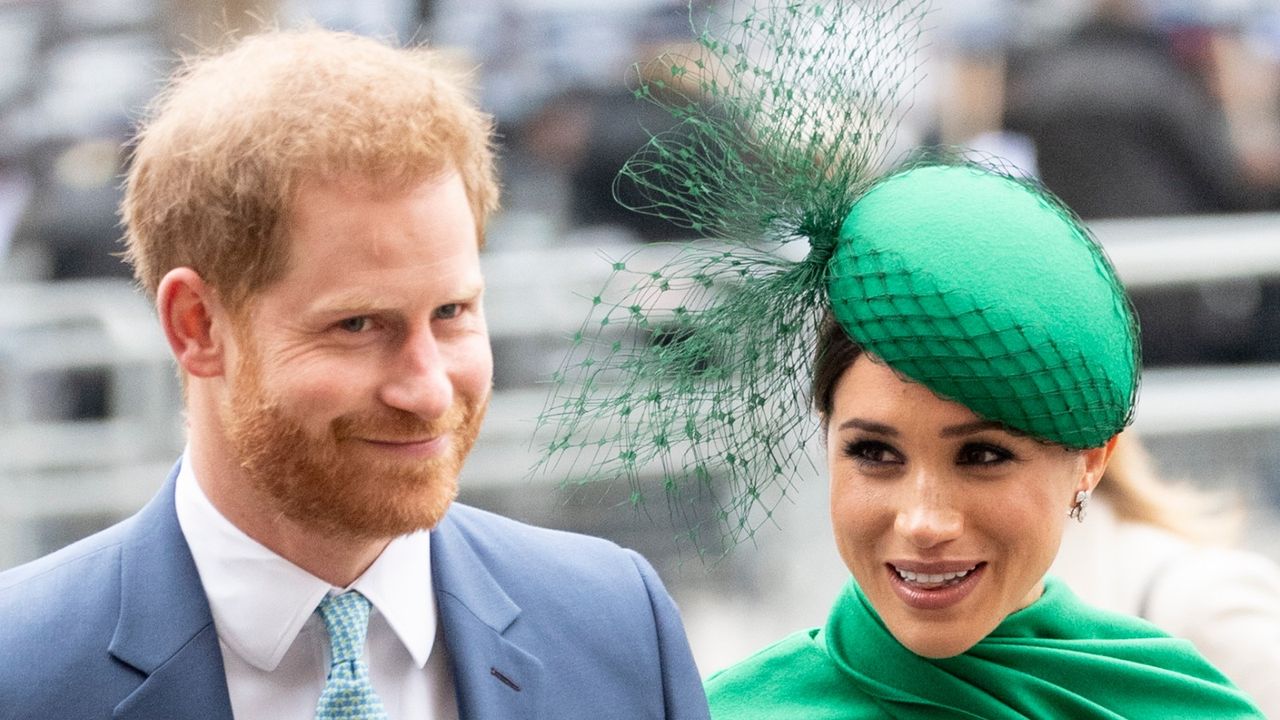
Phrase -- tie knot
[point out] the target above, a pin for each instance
(346, 617)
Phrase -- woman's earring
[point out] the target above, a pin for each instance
(1080, 507)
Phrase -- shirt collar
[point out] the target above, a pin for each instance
(260, 601)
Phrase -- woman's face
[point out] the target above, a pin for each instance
(947, 522)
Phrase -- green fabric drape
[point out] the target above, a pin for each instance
(1057, 658)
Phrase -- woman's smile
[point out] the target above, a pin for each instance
(934, 585)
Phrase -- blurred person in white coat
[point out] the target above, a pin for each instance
(1159, 551)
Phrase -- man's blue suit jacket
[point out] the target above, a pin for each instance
(538, 624)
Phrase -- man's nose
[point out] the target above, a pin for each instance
(926, 517)
(418, 379)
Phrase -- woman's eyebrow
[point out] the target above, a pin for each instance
(970, 427)
(869, 426)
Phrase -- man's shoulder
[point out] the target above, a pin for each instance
(77, 564)
(505, 541)
(498, 530)
(596, 615)
(58, 614)
(532, 563)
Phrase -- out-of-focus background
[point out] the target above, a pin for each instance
(1157, 120)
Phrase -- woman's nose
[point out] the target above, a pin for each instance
(927, 518)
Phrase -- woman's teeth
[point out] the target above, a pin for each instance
(933, 580)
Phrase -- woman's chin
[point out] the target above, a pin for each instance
(935, 646)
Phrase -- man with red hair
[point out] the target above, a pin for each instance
(307, 211)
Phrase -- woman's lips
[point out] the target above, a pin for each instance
(934, 586)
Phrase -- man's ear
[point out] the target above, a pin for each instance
(194, 322)
(1095, 464)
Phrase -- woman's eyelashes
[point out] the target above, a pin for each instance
(872, 453)
(983, 454)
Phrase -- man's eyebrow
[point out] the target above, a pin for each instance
(357, 301)
(869, 426)
(471, 291)
(347, 302)
(970, 428)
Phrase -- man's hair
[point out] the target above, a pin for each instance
(232, 137)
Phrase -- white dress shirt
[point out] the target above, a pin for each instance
(274, 646)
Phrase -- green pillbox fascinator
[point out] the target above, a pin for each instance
(690, 376)
(991, 294)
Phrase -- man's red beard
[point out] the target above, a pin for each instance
(329, 482)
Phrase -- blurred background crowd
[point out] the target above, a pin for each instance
(1157, 120)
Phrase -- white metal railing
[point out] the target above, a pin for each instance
(54, 465)
(533, 290)
(50, 466)
(49, 330)
(1185, 250)
(545, 291)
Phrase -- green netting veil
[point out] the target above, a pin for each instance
(693, 368)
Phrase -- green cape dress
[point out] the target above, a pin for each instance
(1057, 658)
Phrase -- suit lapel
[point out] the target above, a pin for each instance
(493, 676)
(165, 629)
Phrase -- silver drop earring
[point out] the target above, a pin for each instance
(1080, 507)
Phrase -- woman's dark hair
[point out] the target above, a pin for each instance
(836, 352)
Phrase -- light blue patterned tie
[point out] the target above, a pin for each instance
(348, 694)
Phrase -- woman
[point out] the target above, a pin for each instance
(949, 518)
(978, 359)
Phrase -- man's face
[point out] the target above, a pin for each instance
(363, 374)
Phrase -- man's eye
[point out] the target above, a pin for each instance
(982, 454)
(356, 324)
(445, 312)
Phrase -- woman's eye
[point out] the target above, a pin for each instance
(356, 324)
(871, 452)
(982, 454)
